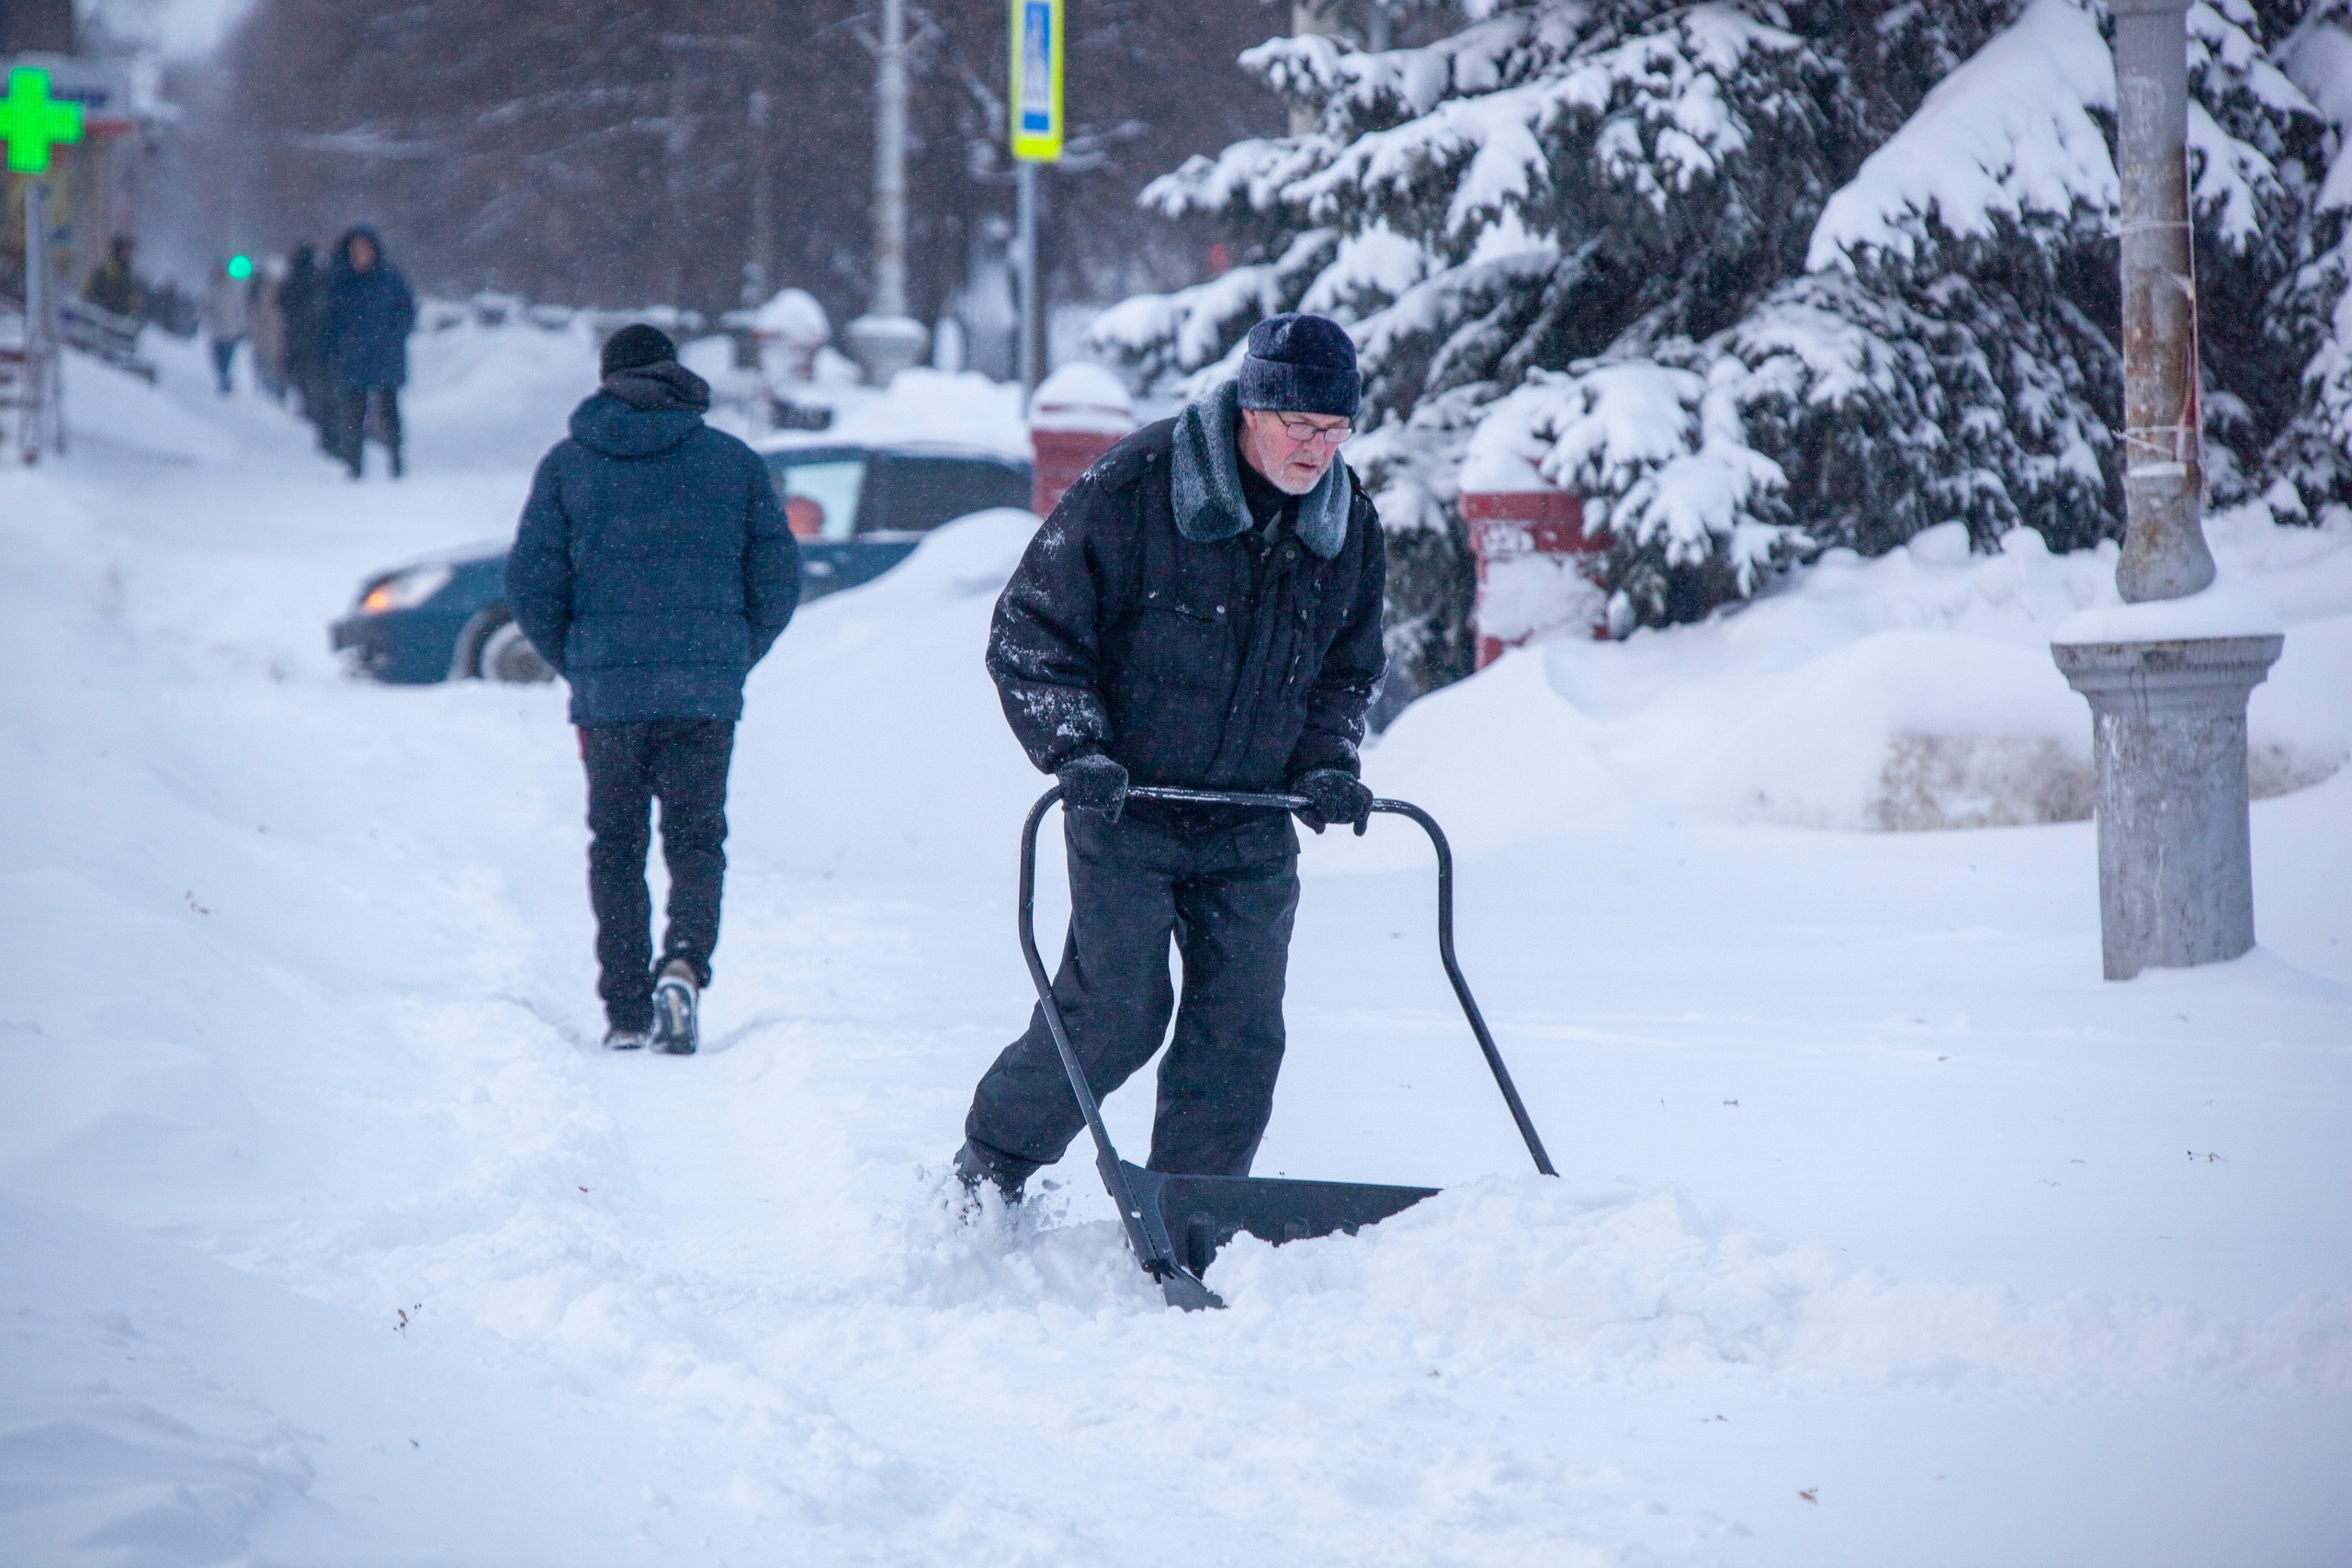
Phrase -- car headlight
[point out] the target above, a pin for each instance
(405, 590)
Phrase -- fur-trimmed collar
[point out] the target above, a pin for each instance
(1205, 475)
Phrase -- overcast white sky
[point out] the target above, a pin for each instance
(182, 29)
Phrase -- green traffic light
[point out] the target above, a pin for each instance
(241, 267)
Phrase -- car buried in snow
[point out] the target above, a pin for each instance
(855, 510)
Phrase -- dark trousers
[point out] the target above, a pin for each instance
(1229, 899)
(224, 355)
(355, 413)
(683, 765)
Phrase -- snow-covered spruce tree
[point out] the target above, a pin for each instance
(1555, 179)
(2311, 462)
(1752, 277)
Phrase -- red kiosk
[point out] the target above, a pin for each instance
(1536, 565)
(1075, 414)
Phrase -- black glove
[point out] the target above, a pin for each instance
(1332, 796)
(1094, 782)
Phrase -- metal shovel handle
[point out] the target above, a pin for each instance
(1106, 1158)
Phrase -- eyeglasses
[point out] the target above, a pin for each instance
(1298, 430)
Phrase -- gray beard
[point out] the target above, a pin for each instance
(1247, 443)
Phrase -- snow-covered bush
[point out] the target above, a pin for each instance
(1757, 278)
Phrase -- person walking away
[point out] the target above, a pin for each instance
(369, 313)
(654, 567)
(228, 317)
(1201, 610)
(269, 331)
(302, 299)
(113, 285)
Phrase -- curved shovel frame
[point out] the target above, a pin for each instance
(1209, 1210)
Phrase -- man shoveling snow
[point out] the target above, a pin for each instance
(1201, 610)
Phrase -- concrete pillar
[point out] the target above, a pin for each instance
(2176, 877)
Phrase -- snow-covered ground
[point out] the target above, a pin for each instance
(1886, 1232)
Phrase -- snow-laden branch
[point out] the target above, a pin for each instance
(2007, 137)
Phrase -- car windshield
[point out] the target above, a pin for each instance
(914, 494)
(820, 497)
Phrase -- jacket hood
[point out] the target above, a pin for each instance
(340, 257)
(1205, 482)
(606, 425)
(664, 385)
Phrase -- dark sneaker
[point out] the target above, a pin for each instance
(618, 1039)
(975, 1165)
(674, 995)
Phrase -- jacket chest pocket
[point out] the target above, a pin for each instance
(1181, 640)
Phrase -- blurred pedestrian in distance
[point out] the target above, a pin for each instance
(301, 300)
(269, 330)
(113, 285)
(654, 567)
(369, 313)
(228, 317)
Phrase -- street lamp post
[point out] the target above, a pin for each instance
(886, 340)
(2167, 695)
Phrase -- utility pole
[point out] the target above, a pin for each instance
(886, 340)
(759, 267)
(674, 171)
(2168, 696)
(1024, 176)
(1035, 104)
(1312, 18)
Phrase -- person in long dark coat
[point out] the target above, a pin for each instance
(369, 313)
(654, 567)
(1201, 610)
(302, 299)
(113, 285)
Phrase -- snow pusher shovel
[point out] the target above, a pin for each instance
(1175, 1223)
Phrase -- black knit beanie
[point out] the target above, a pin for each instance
(1301, 365)
(636, 346)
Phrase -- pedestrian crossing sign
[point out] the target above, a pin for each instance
(1036, 96)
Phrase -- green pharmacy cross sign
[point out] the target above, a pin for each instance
(31, 121)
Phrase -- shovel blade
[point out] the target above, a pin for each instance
(1190, 1217)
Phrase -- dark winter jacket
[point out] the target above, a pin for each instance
(364, 328)
(1150, 620)
(112, 286)
(300, 299)
(653, 567)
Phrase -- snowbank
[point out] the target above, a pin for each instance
(1912, 691)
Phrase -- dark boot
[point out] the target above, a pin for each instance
(976, 1164)
(676, 1029)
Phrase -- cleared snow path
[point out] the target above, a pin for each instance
(1887, 1233)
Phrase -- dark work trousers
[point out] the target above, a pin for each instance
(1228, 898)
(358, 413)
(681, 762)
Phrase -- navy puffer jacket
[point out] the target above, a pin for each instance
(653, 567)
(366, 318)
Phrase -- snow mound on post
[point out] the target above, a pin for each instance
(2226, 609)
(2006, 137)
